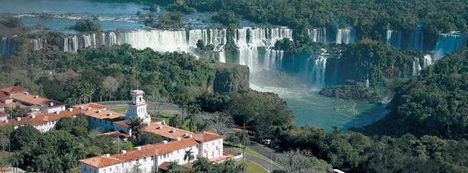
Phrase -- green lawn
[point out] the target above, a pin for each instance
(254, 168)
(254, 153)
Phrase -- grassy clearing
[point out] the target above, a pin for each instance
(254, 153)
(254, 168)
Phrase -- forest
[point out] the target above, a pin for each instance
(433, 103)
(371, 17)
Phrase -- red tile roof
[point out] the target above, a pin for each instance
(166, 131)
(29, 99)
(13, 90)
(98, 111)
(145, 151)
(91, 105)
(206, 137)
(40, 118)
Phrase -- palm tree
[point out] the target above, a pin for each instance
(136, 126)
(188, 156)
(202, 165)
(243, 139)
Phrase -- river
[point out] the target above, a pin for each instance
(312, 109)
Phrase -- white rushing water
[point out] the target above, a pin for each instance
(318, 35)
(416, 66)
(316, 68)
(251, 42)
(38, 44)
(342, 35)
(175, 40)
(255, 45)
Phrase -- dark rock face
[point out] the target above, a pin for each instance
(229, 78)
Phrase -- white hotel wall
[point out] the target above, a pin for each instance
(177, 156)
(53, 109)
(145, 165)
(211, 149)
(47, 126)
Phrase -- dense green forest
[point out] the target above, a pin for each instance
(58, 150)
(106, 73)
(371, 17)
(355, 152)
(433, 103)
(384, 66)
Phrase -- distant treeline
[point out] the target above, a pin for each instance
(371, 17)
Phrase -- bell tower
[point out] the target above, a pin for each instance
(137, 107)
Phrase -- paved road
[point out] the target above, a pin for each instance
(263, 150)
(263, 163)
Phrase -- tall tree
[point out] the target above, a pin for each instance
(136, 126)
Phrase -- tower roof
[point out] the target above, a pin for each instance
(137, 92)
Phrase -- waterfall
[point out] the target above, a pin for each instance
(175, 40)
(394, 38)
(222, 57)
(427, 61)
(250, 40)
(89, 41)
(158, 40)
(70, 44)
(103, 39)
(38, 44)
(416, 66)
(318, 35)
(416, 40)
(447, 43)
(255, 45)
(112, 39)
(214, 37)
(7, 45)
(316, 73)
(345, 36)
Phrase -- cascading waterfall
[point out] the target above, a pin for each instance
(70, 44)
(158, 40)
(416, 40)
(394, 38)
(416, 66)
(7, 46)
(38, 44)
(316, 72)
(447, 43)
(342, 35)
(89, 41)
(175, 40)
(250, 40)
(112, 39)
(345, 36)
(318, 35)
(186, 41)
(427, 61)
(215, 37)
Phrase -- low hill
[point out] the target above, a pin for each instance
(434, 103)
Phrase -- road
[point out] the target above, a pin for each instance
(263, 150)
(263, 163)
